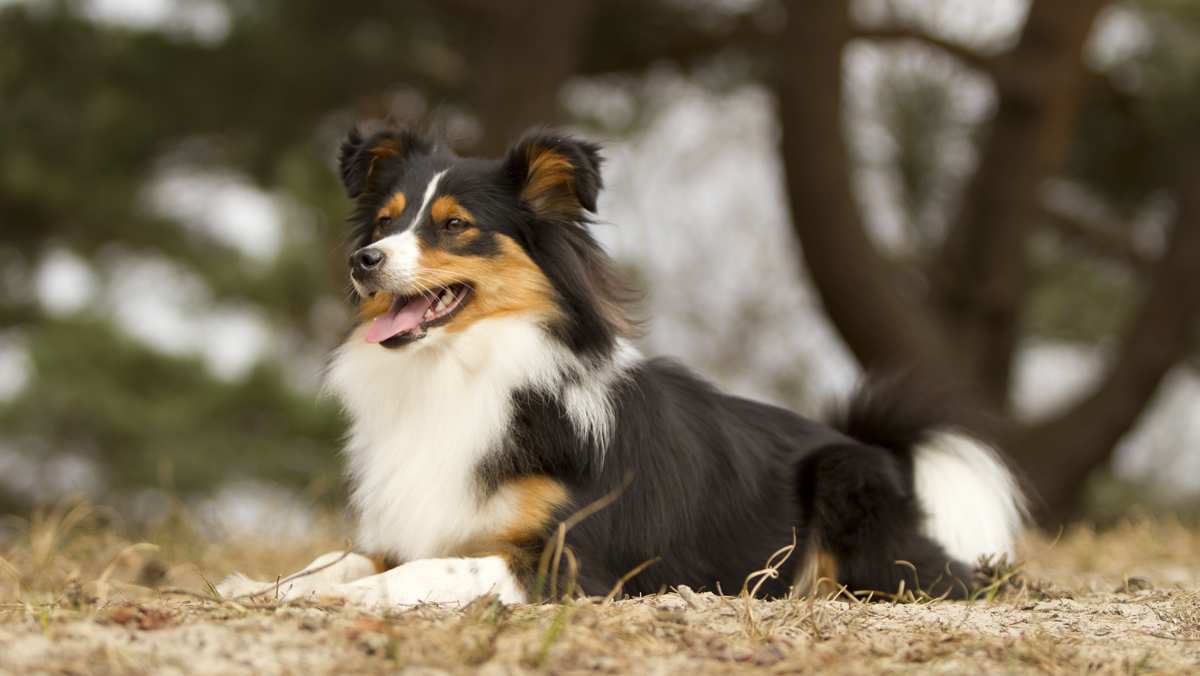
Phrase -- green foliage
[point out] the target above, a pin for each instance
(90, 114)
(918, 113)
(1077, 298)
(151, 419)
(1140, 119)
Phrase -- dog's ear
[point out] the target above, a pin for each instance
(362, 157)
(557, 177)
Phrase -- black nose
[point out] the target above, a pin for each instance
(366, 259)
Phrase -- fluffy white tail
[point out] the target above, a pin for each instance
(972, 503)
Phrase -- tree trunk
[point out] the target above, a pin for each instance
(863, 292)
(1058, 454)
(980, 295)
(531, 48)
(982, 273)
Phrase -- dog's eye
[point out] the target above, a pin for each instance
(455, 224)
(380, 224)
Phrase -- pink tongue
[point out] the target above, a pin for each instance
(394, 322)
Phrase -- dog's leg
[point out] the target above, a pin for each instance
(455, 581)
(866, 525)
(339, 568)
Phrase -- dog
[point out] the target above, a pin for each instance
(507, 438)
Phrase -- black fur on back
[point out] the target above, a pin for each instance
(711, 485)
(710, 489)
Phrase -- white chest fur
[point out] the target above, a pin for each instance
(424, 416)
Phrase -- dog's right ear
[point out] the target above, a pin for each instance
(362, 158)
(558, 176)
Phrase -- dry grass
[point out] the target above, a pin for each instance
(80, 594)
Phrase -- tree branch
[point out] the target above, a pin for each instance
(967, 56)
(1160, 334)
(1108, 240)
(863, 292)
(982, 265)
(664, 32)
(541, 42)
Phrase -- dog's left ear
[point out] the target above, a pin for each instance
(557, 177)
(361, 157)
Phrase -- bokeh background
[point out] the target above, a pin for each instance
(997, 196)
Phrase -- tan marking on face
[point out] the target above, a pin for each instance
(393, 207)
(550, 186)
(446, 207)
(506, 284)
(467, 236)
(373, 306)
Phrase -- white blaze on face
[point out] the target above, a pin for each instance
(403, 250)
(403, 253)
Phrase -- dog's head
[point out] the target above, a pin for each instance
(441, 243)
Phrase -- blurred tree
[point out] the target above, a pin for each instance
(959, 316)
(157, 420)
(92, 113)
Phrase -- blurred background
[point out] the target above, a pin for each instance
(995, 195)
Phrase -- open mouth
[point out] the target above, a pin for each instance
(410, 317)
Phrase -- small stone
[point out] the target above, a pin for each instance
(685, 592)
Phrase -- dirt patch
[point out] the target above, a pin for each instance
(1123, 601)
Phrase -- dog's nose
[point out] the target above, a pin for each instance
(366, 259)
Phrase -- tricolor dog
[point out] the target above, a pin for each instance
(494, 393)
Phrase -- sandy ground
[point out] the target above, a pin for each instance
(80, 598)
